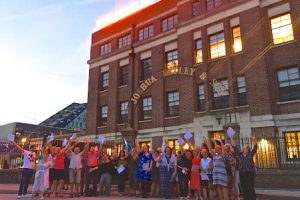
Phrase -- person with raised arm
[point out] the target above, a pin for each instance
(41, 180)
(58, 156)
(184, 165)
(195, 173)
(75, 168)
(220, 180)
(246, 168)
(155, 173)
(92, 171)
(206, 167)
(133, 161)
(121, 165)
(28, 166)
(167, 171)
(144, 170)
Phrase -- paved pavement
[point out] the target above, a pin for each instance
(9, 191)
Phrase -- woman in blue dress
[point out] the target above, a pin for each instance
(220, 179)
(144, 170)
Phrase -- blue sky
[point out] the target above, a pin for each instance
(44, 47)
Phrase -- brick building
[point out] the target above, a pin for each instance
(155, 73)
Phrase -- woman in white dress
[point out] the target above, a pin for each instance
(41, 181)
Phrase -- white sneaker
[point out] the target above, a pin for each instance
(20, 196)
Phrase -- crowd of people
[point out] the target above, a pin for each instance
(203, 172)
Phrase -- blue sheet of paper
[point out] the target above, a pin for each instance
(188, 135)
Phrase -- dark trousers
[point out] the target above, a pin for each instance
(247, 182)
(25, 179)
(91, 178)
(183, 182)
(121, 179)
(146, 188)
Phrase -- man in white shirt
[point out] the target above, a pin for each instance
(28, 166)
(76, 167)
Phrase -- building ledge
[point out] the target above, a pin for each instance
(122, 86)
(222, 109)
(145, 121)
(237, 53)
(284, 43)
(201, 112)
(103, 91)
(122, 124)
(287, 102)
(245, 106)
(101, 127)
(175, 117)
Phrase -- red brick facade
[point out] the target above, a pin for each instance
(258, 62)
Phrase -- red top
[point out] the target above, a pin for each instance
(196, 161)
(59, 161)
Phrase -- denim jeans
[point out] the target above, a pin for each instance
(25, 180)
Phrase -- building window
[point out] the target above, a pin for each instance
(105, 80)
(292, 142)
(144, 143)
(147, 68)
(105, 49)
(241, 87)
(172, 62)
(199, 53)
(289, 84)
(217, 46)
(147, 108)
(173, 144)
(221, 94)
(124, 75)
(103, 115)
(169, 23)
(282, 29)
(201, 97)
(173, 104)
(196, 8)
(146, 32)
(212, 4)
(123, 118)
(124, 41)
(237, 39)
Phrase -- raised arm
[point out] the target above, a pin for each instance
(126, 152)
(211, 151)
(18, 146)
(222, 146)
(254, 150)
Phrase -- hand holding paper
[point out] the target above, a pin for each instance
(101, 139)
(218, 138)
(188, 135)
(51, 137)
(11, 137)
(65, 142)
(230, 132)
(74, 136)
(180, 140)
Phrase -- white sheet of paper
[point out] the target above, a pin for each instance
(65, 142)
(180, 140)
(11, 137)
(120, 169)
(146, 167)
(101, 139)
(51, 137)
(230, 132)
(74, 136)
(188, 135)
